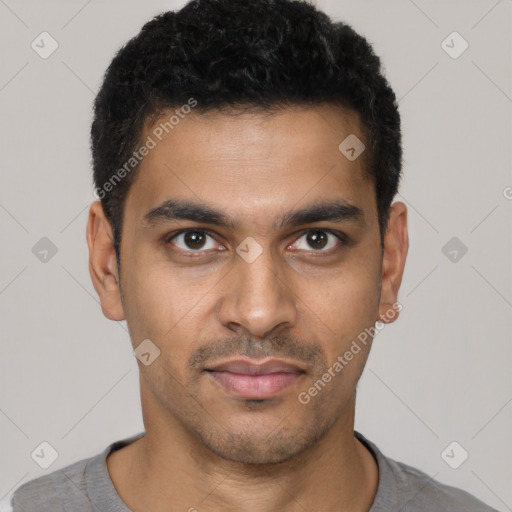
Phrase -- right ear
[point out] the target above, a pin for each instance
(102, 262)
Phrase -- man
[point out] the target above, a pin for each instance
(246, 155)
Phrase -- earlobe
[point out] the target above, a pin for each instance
(102, 263)
(396, 246)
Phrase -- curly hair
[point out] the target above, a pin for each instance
(237, 55)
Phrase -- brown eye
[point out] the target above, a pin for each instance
(318, 240)
(193, 240)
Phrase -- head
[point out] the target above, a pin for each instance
(246, 156)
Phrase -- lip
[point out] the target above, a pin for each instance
(255, 380)
(248, 366)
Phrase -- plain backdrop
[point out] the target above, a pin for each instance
(441, 373)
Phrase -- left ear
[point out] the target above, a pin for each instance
(396, 245)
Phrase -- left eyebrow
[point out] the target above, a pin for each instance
(176, 209)
(333, 211)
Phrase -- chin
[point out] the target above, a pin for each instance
(248, 451)
(263, 445)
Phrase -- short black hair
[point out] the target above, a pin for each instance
(235, 55)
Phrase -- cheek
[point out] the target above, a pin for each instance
(344, 309)
(164, 305)
(153, 301)
(345, 314)
(348, 299)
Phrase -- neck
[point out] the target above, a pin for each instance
(168, 470)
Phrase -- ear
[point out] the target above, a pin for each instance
(102, 262)
(396, 245)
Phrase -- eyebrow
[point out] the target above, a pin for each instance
(337, 210)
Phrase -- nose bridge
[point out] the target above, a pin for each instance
(260, 278)
(257, 298)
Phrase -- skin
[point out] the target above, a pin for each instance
(204, 447)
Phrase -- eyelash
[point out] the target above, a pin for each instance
(338, 234)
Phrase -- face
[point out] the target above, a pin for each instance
(251, 259)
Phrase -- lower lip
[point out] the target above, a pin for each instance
(255, 386)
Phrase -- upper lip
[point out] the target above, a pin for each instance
(251, 367)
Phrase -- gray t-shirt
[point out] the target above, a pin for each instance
(85, 486)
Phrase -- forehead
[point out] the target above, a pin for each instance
(251, 164)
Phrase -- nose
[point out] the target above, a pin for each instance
(256, 298)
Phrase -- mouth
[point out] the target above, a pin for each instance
(255, 380)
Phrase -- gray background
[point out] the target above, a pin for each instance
(440, 374)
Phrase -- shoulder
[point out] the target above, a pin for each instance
(422, 492)
(404, 487)
(46, 492)
(77, 486)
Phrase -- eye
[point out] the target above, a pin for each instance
(198, 240)
(194, 240)
(318, 239)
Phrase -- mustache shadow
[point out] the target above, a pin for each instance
(274, 346)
